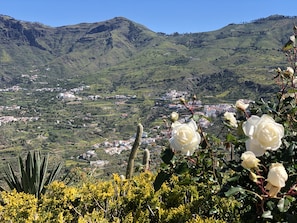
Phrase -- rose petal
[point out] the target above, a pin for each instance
(249, 126)
(255, 147)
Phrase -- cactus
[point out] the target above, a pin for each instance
(130, 166)
(33, 175)
(146, 160)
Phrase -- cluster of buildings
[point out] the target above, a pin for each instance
(170, 101)
(7, 119)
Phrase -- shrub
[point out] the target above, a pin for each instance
(18, 207)
(115, 200)
(34, 176)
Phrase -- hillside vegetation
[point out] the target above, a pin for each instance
(119, 53)
(116, 70)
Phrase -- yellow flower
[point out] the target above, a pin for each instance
(249, 160)
(185, 138)
(264, 134)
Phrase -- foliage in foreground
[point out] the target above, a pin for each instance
(252, 160)
(34, 175)
(117, 200)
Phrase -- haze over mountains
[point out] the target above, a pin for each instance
(119, 54)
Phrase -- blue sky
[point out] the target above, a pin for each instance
(168, 16)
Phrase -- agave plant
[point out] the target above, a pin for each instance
(34, 175)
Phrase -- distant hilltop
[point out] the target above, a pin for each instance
(233, 61)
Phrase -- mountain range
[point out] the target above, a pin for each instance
(67, 90)
(120, 55)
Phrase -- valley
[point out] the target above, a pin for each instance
(77, 90)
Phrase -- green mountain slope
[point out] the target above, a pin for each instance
(115, 71)
(203, 62)
(119, 53)
(71, 50)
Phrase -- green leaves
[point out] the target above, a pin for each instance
(267, 215)
(285, 203)
(160, 179)
(167, 155)
(233, 191)
(34, 176)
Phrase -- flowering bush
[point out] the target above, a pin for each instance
(116, 200)
(18, 207)
(256, 162)
(266, 181)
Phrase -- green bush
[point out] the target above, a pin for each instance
(115, 200)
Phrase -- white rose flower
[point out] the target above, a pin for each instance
(264, 134)
(249, 160)
(241, 105)
(277, 177)
(185, 137)
(289, 71)
(230, 118)
(174, 116)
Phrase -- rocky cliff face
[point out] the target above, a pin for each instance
(67, 49)
(21, 32)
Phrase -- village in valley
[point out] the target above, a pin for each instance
(168, 102)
